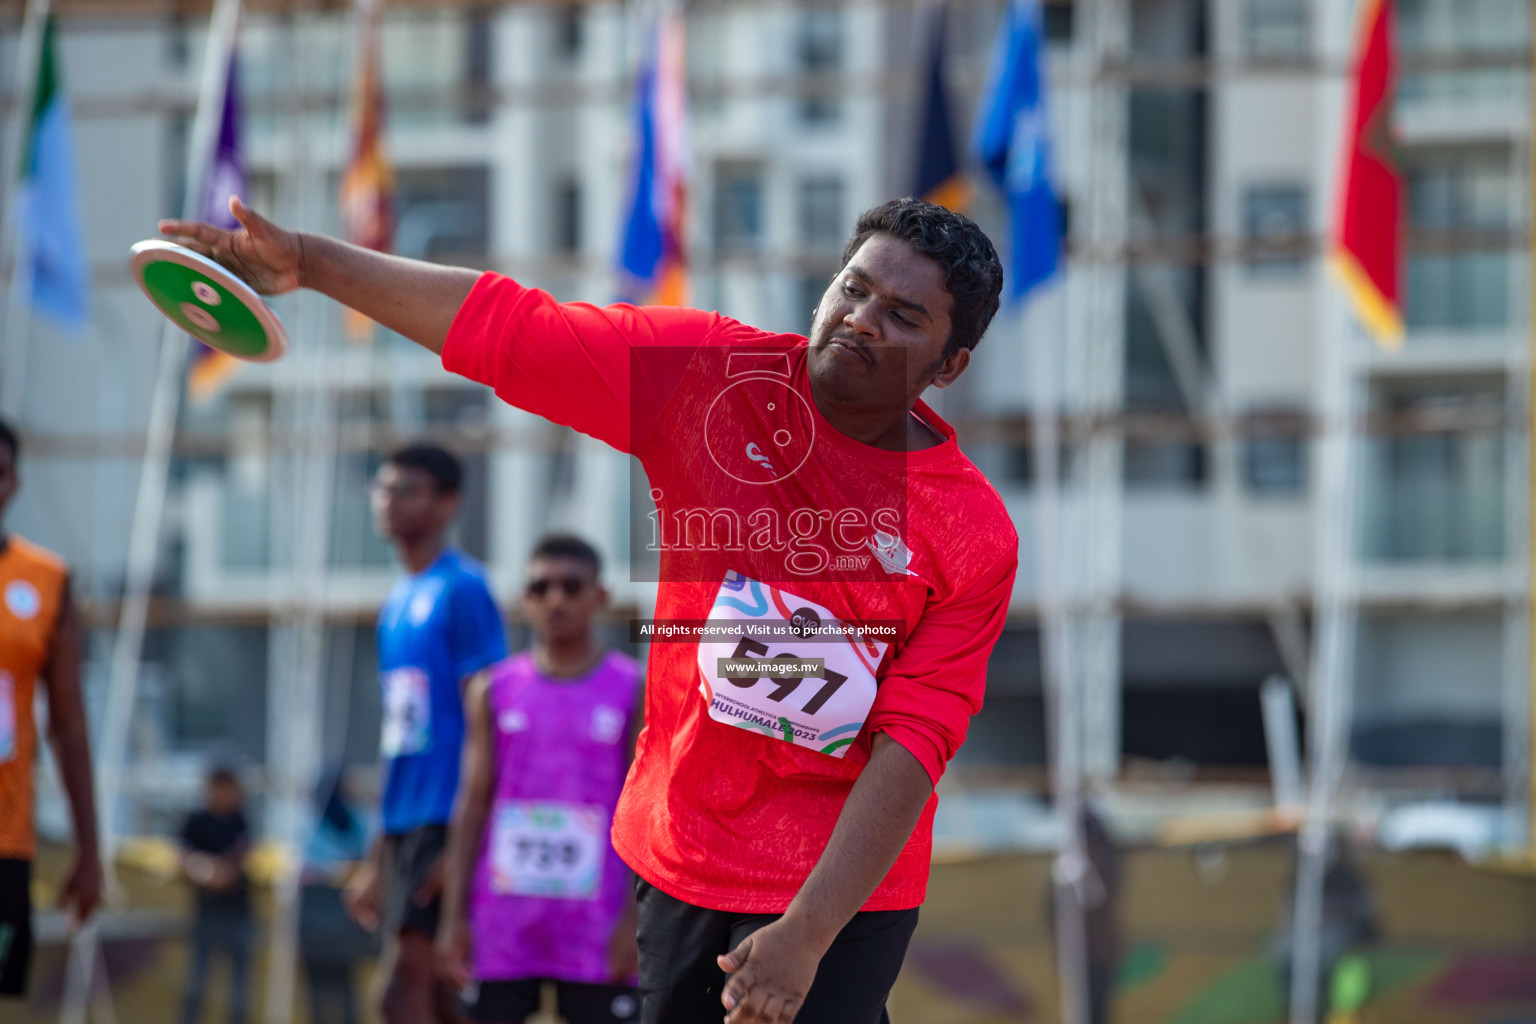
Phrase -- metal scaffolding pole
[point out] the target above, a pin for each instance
(295, 726)
(1096, 384)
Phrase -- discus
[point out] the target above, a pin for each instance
(208, 301)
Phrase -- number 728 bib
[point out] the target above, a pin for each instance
(754, 674)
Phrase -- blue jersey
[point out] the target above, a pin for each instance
(437, 628)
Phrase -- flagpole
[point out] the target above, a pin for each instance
(149, 507)
(28, 56)
(1335, 588)
(1059, 685)
(1530, 507)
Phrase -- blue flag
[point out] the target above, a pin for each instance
(53, 247)
(1013, 142)
(653, 260)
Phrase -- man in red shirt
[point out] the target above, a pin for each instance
(834, 573)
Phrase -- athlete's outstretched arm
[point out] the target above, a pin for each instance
(477, 784)
(412, 297)
(70, 738)
(772, 970)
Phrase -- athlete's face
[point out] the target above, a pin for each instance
(880, 331)
(560, 598)
(7, 477)
(407, 506)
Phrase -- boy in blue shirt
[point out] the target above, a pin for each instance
(439, 629)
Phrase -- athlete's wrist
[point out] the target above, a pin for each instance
(305, 245)
(809, 930)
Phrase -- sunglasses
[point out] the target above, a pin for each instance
(569, 585)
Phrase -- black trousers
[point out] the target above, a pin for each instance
(680, 983)
(15, 925)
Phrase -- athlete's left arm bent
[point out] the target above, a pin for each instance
(466, 831)
(772, 970)
(69, 735)
(623, 944)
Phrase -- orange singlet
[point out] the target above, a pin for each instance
(32, 581)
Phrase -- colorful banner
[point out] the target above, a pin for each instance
(1368, 248)
(227, 176)
(653, 264)
(1013, 142)
(53, 254)
(940, 177)
(368, 187)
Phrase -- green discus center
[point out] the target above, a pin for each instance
(206, 309)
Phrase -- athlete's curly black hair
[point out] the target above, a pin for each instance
(972, 272)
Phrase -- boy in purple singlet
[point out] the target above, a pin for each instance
(534, 891)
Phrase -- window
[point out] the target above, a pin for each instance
(1059, 22)
(443, 213)
(1448, 28)
(738, 209)
(1454, 282)
(1435, 473)
(568, 32)
(567, 217)
(812, 288)
(1275, 454)
(821, 54)
(821, 212)
(1276, 28)
(477, 65)
(1275, 225)
(1172, 465)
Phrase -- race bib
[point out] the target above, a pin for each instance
(792, 670)
(552, 850)
(7, 717)
(407, 712)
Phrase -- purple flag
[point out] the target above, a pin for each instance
(226, 171)
(226, 177)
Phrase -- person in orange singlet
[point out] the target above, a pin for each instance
(40, 643)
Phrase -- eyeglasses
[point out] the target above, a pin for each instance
(569, 585)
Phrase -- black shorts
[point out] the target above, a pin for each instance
(680, 983)
(512, 1002)
(15, 925)
(411, 856)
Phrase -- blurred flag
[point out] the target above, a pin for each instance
(226, 177)
(52, 252)
(368, 186)
(1368, 249)
(653, 266)
(940, 178)
(1013, 142)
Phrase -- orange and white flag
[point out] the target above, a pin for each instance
(368, 186)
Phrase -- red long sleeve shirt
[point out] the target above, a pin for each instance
(767, 517)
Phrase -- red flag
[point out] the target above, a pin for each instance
(1368, 249)
(368, 187)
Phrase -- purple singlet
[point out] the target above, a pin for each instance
(548, 887)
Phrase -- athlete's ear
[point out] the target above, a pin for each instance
(950, 369)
